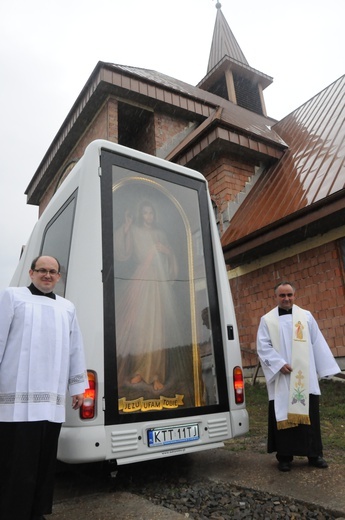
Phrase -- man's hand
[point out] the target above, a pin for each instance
(286, 369)
(77, 401)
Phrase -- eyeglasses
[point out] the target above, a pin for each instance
(288, 295)
(43, 271)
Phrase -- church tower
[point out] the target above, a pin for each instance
(229, 74)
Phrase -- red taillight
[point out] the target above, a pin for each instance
(238, 385)
(87, 411)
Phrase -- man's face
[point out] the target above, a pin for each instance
(148, 216)
(285, 296)
(45, 281)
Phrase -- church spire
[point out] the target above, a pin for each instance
(223, 42)
(229, 74)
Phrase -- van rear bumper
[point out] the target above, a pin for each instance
(82, 444)
(239, 422)
(128, 443)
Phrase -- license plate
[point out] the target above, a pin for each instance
(173, 435)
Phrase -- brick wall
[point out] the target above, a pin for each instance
(167, 127)
(104, 126)
(318, 276)
(227, 176)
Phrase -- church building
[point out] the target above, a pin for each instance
(278, 187)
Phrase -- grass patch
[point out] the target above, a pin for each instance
(332, 412)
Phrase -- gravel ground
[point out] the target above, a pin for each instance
(204, 500)
(209, 485)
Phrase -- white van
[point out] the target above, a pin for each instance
(141, 260)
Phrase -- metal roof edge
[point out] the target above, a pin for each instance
(306, 216)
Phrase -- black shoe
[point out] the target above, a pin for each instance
(284, 466)
(317, 462)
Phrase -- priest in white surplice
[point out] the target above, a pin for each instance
(41, 357)
(294, 355)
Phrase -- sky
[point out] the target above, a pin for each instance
(49, 48)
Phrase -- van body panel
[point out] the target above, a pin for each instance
(195, 408)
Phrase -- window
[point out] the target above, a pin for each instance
(136, 128)
(57, 240)
(161, 313)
